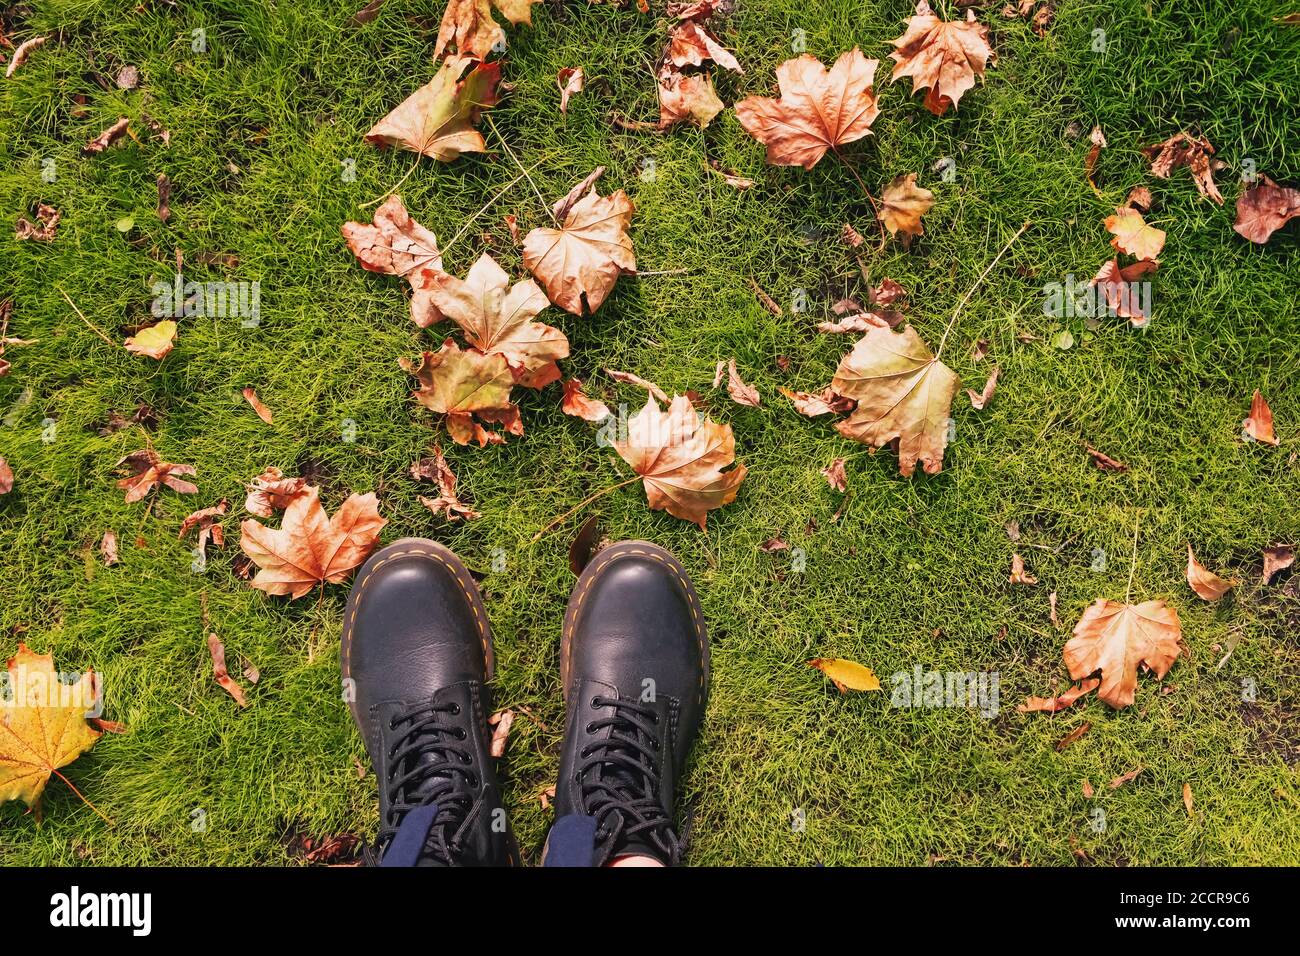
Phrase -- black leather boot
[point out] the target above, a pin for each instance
(416, 657)
(634, 662)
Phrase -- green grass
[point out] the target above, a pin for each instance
(914, 572)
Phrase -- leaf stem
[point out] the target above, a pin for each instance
(582, 504)
(488, 205)
(1133, 563)
(396, 186)
(978, 282)
(866, 192)
(537, 192)
(94, 328)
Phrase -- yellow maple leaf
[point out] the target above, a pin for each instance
(42, 725)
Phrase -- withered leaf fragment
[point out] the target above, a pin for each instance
(686, 98)
(818, 109)
(904, 397)
(43, 230)
(1122, 292)
(1182, 149)
(1061, 701)
(941, 56)
(22, 52)
(1207, 585)
(271, 491)
(108, 548)
(1018, 573)
(1133, 235)
(1265, 208)
(846, 675)
(740, 393)
(835, 475)
(264, 413)
(902, 204)
(579, 263)
(1116, 638)
(397, 245)
(826, 403)
(680, 459)
(438, 119)
(6, 477)
(981, 399)
(435, 468)
(1277, 557)
(217, 651)
(570, 80)
(106, 138)
(1259, 424)
(578, 404)
(154, 341)
(1104, 462)
(309, 547)
(147, 471)
(692, 45)
(205, 520)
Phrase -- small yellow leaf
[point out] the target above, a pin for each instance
(1187, 799)
(846, 675)
(155, 341)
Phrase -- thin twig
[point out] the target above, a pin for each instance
(470, 221)
(664, 272)
(98, 331)
(396, 186)
(1134, 562)
(582, 504)
(978, 282)
(884, 236)
(537, 192)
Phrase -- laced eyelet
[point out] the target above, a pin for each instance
(392, 723)
(595, 702)
(455, 710)
(590, 728)
(460, 733)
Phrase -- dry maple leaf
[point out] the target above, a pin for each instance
(943, 56)
(680, 459)
(205, 519)
(1121, 291)
(846, 675)
(1115, 638)
(1206, 584)
(270, 492)
(154, 341)
(570, 80)
(1265, 208)
(686, 98)
(310, 548)
(579, 263)
(1061, 701)
(1259, 424)
(1182, 149)
(740, 393)
(437, 120)
(692, 45)
(1277, 557)
(42, 725)
(902, 204)
(456, 381)
(904, 397)
(1139, 197)
(436, 469)
(1133, 235)
(468, 26)
(148, 470)
(498, 318)
(578, 404)
(397, 245)
(818, 109)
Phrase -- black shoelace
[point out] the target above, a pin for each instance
(620, 783)
(429, 763)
